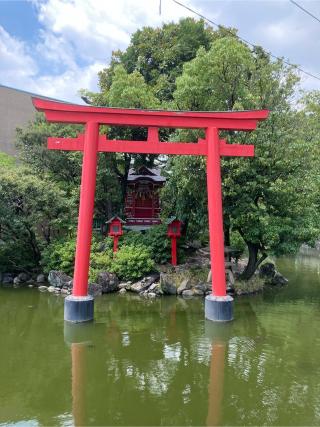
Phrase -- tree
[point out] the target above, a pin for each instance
(158, 54)
(33, 211)
(269, 200)
(64, 167)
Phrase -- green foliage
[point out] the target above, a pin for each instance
(236, 241)
(15, 256)
(132, 262)
(100, 261)
(155, 239)
(33, 211)
(159, 53)
(64, 167)
(185, 196)
(270, 200)
(59, 256)
(7, 161)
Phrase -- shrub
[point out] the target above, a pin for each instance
(155, 239)
(99, 261)
(59, 255)
(15, 256)
(132, 262)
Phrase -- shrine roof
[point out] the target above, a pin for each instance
(153, 174)
(115, 217)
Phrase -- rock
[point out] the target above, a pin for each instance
(202, 287)
(94, 289)
(187, 293)
(41, 278)
(123, 291)
(23, 277)
(57, 289)
(51, 288)
(30, 286)
(167, 285)
(230, 277)
(144, 283)
(16, 281)
(139, 287)
(63, 290)
(108, 282)
(278, 280)
(208, 286)
(7, 279)
(151, 279)
(43, 288)
(151, 295)
(185, 284)
(267, 270)
(209, 278)
(154, 286)
(198, 291)
(58, 279)
(124, 285)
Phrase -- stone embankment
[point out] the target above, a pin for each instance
(187, 280)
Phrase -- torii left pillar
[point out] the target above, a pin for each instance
(79, 307)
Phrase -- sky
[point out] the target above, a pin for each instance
(56, 47)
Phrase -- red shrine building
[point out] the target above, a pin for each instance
(142, 207)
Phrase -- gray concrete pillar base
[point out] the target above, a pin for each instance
(219, 309)
(78, 309)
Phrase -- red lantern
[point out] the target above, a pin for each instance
(115, 230)
(174, 231)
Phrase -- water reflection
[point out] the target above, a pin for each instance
(159, 363)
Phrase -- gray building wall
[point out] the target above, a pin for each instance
(16, 110)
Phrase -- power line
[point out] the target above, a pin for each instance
(244, 40)
(305, 10)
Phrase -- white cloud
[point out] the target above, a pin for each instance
(77, 36)
(94, 28)
(16, 63)
(75, 42)
(18, 69)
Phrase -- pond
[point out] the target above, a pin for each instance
(158, 362)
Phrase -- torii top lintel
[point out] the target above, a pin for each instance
(152, 119)
(72, 113)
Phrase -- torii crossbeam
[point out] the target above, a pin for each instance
(218, 305)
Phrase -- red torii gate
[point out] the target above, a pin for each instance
(218, 305)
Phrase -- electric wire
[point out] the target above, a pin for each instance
(305, 10)
(244, 40)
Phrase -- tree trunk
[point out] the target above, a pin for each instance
(254, 261)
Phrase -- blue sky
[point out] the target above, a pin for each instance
(56, 47)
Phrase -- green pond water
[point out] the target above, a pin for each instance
(158, 362)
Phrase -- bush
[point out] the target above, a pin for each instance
(99, 261)
(15, 256)
(132, 262)
(155, 239)
(59, 255)
(237, 241)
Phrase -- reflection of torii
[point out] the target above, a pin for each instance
(218, 306)
(220, 336)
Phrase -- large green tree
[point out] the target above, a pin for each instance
(33, 211)
(269, 200)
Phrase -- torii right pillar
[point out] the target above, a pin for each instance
(218, 305)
